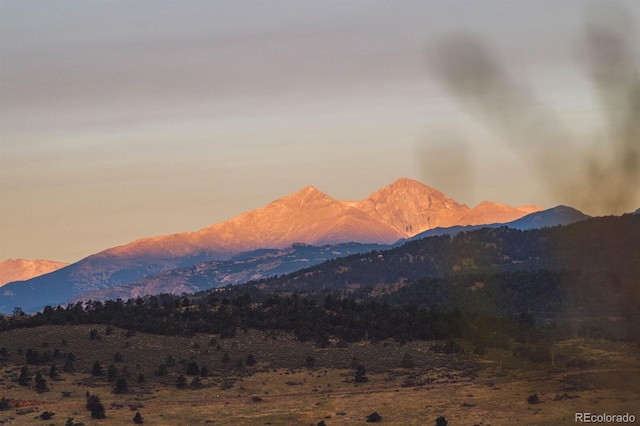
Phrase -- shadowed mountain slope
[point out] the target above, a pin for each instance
(206, 275)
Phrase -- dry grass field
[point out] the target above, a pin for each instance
(295, 383)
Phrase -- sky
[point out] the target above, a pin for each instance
(121, 120)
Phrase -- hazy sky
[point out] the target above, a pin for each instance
(121, 120)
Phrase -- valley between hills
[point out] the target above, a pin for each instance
(405, 308)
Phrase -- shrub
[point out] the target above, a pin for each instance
(192, 369)
(171, 361)
(137, 419)
(441, 421)
(251, 360)
(374, 417)
(4, 404)
(310, 362)
(47, 415)
(533, 399)
(407, 361)
(161, 371)
(449, 347)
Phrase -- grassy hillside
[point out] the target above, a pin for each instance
(294, 382)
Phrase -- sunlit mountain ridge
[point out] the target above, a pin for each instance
(400, 210)
(23, 269)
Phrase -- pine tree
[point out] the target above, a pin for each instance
(53, 372)
(121, 386)
(98, 412)
(361, 373)
(41, 383)
(69, 365)
(138, 419)
(95, 406)
(181, 382)
(204, 371)
(25, 376)
(112, 372)
(96, 370)
(92, 401)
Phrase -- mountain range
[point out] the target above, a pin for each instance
(23, 269)
(398, 211)
(266, 263)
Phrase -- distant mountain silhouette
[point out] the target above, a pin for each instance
(560, 215)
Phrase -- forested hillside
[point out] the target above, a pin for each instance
(608, 246)
(584, 276)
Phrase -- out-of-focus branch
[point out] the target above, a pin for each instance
(572, 172)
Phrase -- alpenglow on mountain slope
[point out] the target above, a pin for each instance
(23, 269)
(266, 263)
(397, 211)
